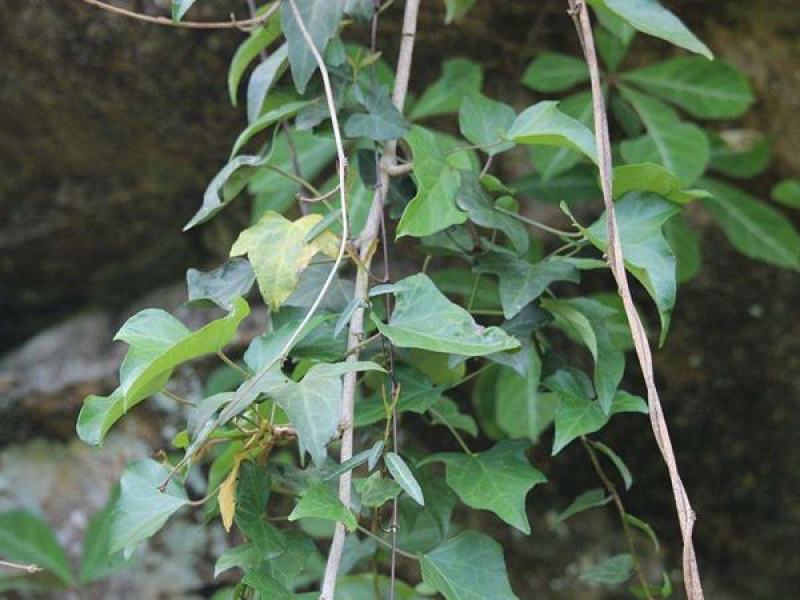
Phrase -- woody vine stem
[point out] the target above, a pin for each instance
(686, 516)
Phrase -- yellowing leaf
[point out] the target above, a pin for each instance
(227, 495)
(278, 250)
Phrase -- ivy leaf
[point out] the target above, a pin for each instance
(648, 16)
(98, 415)
(142, 509)
(263, 78)
(270, 117)
(681, 147)
(433, 208)
(404, 477)
(314, 405)
(424, 318)
(624, 472)
(705, 89)
(287, 566)
(459, 78)
(257, 41)
(457, 9)
(381, 122)
(587, 319)
(243, 556)
(252, 494)
(587, 500)
(159, 342)
(554, 72)
(445, 412)
(552, 161)
(473, 199)
(267, 586)
(497, 480)
(320, 502)
(787, 192)
(321, 19)
(645, 528)
(483, 121)
(613, 571)
(685, 243)
(225, 186)
(469, 566)
(180, 7)
(753, 228)
(25, 538)
(649, 177)
(376, 491)
(278, 250)
(543, 123)
(521, 410)
(640, 219)
(522, 282)
(221, 285)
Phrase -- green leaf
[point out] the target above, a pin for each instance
(740, 153)
(142, 508)
(457, 9)
(554, 72)
(252, 494)
(459, 78)
(576, 414)
(179, 8)
(521, 282)
(543, 123)
(483, 122)
(381, 122)
(321, 19)
(469, 566)
(262, 79)
(225, 186)
(753, 228)
(497, 480)
(26, 539)
(644, 528)
(552, 161)
(97, 562)
(425, 318)
(521, 410)
(473, 199)
(222, 285)
(446, 412)
(787, 192)
(685, 244)
(579, 184)
(373, 586)
(278, 250)
(159, 343)
(640, 219)
(258, 40)
(613, 571)
(433, 208)
(404, 477)
(681, 147)
(320, 502)
(648, 16)
(244, 556)
(98, 415)
(314, 405)
(376, 491)
(587, 320)
(270, 117)
(705, 89)
(288, 566)
(649, 177)
(587, 500)
(622, 468)
(267, 586)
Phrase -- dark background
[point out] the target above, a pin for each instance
(109, 131)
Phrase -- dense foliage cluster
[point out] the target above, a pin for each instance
(489, 304)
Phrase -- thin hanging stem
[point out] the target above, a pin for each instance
(232, 24)
(686, 516)
(383, 542)
(612, 490)
(538, 224)
(453, 431)
(232, 364)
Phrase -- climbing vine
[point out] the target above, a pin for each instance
(402, 276)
